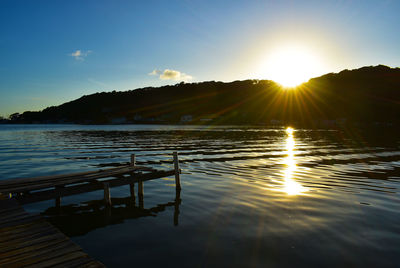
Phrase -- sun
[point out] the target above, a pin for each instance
(290, 65)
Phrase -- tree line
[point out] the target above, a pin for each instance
(369, 95)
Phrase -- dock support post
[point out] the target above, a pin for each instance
(107, 195)
(177, 171)
(133, 160)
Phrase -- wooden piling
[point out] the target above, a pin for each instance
(133, 160)
(107, 195)
(177, 171)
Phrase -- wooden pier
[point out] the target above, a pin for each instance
(27, 240)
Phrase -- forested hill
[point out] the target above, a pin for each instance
(369, 95)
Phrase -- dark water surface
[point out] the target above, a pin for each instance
(251, 197)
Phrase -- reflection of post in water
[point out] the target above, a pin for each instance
(107, 213)
(132, 185)
(58, 199)
(132, 191)
(77, 219)
(140, 195)
(176, 206)
(291, 187)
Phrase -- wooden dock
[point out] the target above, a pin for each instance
(30, 190)
(27, 240)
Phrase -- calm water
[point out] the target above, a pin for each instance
(251, 197)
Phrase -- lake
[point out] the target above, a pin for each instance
(251, 196)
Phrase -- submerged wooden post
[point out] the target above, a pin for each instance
(177, 171)
(107, 195)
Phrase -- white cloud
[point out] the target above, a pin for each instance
(155, 72)
(169, 74)
(80, 54)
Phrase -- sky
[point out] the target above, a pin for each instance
(56, 51)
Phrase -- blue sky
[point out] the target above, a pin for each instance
(56, 51)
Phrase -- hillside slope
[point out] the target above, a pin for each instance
(365, 95)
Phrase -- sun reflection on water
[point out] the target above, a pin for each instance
(291, 187)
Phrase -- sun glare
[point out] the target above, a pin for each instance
(291, 186)
(290, 66)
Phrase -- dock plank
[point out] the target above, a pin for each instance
(72, 176)
(31, 256)
(27, 232)
(36, 247)
(12, 187)
(20, 220)
(14, 245)
(81, 262)
(15, 213)
(24, 236)
(28, 240)
(12, 230)
(45, 255)
(58, 260)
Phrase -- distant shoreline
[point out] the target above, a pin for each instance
(365, 96)
(372, 125)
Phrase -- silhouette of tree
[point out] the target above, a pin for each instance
(369, 95)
